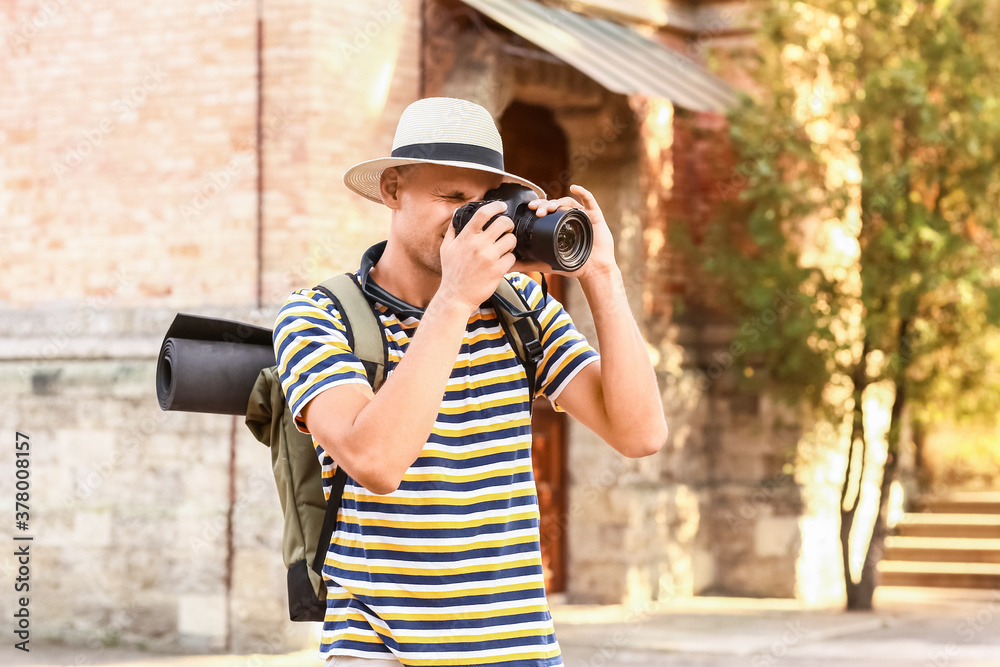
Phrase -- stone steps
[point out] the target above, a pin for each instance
(980, 502)
(942, 549)
(950, 525)
(940, 575)
(952, 543)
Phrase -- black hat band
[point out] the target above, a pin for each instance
(452, 152)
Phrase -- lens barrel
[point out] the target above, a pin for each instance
(562, 239)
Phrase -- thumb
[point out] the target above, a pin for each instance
(449, 237)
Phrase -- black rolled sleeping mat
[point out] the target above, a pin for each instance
(210, 365)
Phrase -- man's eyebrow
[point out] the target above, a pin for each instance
(454, 194)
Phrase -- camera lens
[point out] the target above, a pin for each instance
(573, 240)
(568, 239)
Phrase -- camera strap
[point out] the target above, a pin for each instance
(519, 321)
(522, 328)
(513, 310)
(376, 292)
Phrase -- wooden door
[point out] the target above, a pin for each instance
(535, 148)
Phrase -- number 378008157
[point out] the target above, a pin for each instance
(22, 483)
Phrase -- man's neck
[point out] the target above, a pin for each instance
(399, 275)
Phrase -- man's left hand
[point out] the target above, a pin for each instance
(602, 257)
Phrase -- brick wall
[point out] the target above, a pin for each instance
(130, 144)
(117, 117)
(129, 193)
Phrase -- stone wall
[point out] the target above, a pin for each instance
(136, 536)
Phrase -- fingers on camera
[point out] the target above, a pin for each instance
(504, 225)
(485, 214)
(507, 242)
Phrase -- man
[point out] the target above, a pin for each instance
(436, 560)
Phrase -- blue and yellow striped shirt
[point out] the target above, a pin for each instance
(447, 569)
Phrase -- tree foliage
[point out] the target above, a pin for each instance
(869, 184)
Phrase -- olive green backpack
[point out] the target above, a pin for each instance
(309, 519)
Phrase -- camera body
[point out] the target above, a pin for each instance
(562, 239)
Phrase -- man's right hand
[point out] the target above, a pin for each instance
(474, 262)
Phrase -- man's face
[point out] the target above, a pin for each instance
(428, 196)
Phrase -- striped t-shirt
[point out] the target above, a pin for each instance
(447, 569)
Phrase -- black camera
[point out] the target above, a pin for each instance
(562, 239)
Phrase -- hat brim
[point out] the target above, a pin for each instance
(363, 178)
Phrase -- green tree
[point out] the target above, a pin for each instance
(872, 134)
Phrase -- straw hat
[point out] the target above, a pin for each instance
(438, 130)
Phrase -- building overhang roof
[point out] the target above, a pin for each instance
(616, 56)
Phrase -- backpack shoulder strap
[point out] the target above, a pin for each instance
(366, 337)
(524, 332)
(364, 331)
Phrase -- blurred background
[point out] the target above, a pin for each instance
(804, 201)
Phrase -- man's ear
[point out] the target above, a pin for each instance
(388, 184)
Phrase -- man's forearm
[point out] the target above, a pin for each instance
(630, 393)
(389, 433)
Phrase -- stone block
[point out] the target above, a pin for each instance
(92, 529)
(202, 615)
(78, 447)
(590, 543)
(200, 485)
(777, 536)
(703, 570)
(598, 583)
(153, 621)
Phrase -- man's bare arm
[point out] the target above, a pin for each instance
(377, 437)
(617, 397)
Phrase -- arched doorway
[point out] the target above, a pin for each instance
(535, 148)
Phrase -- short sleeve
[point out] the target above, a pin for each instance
(565, 351)
(312, 350)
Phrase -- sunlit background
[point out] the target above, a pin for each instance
(187, 156)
